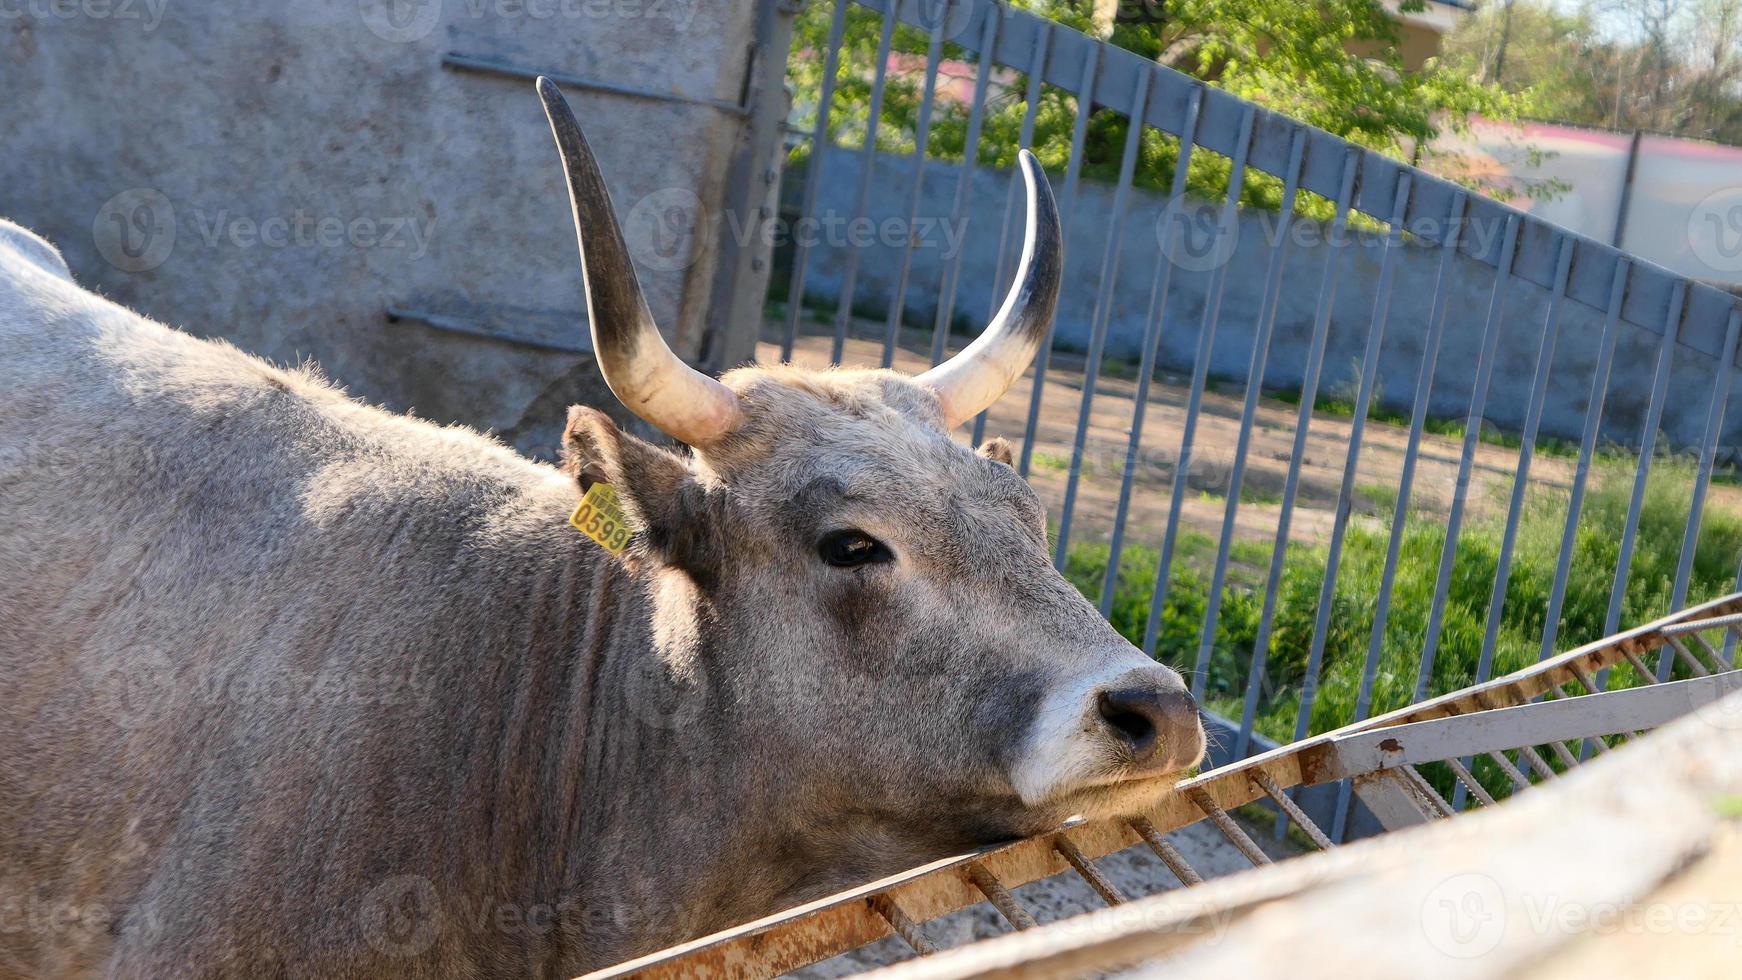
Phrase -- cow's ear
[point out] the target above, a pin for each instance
(998, 450)
(674, 517)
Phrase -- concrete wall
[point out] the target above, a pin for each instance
(1091, 217)
(281, 173)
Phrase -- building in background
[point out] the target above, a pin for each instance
(1674, 201)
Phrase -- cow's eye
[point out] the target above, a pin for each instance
(846, 549)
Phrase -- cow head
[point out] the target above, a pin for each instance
(872, 602)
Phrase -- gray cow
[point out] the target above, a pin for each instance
(295, 686)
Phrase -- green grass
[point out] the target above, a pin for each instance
(1254, 553)
(1112, 467)
(1380, 497)
(1595, 551)
(1055, 462)
(1250, 494)
(1339, 402)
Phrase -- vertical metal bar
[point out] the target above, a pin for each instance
(1073, 169)
(1732, 634)
(1025, 137)
(1536, 762)
(1303, 420)
(1352, 462)
(999, 896)
(1424, 791)
(901, 924)
(1717, 658)
(1641, 474)
(1169, 854)
(1526, 452)
(1249, 408)
(1086, 868)
(1568, 760)
(922, 136)
(1228, 224)
(1594, 399)
(1103, 309)
(1154, 324)
(1647, 445)
(1625, 203)
(1715, 407)
(1467, 460)
(1264, 782)
(1024, 140)
(1424, 381)
(1521, 476)
(1518, 779)
(1469, 780)
(1693, 663)
(820, 145)
(1231, 830)
(1585, 679)
(1593, 685)
(849, 277)
(1351, 466)
(1079, 134)
(965, 182)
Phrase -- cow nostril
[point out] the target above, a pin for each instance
(1155, 724)
(1132, 717)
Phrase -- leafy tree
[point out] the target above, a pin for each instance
(1671, 66)
(1332, 63)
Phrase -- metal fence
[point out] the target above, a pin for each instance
(1014, 54)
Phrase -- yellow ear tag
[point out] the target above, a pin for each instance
(600, 516)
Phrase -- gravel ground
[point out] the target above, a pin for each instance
(1136, 871)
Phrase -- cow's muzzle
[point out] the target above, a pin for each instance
(1152, 721)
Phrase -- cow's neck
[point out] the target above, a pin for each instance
(612, 795)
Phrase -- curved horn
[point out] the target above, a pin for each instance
(642, 371)
(970, 382)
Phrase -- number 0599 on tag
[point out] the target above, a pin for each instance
(600, 517)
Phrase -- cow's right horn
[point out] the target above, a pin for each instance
(642, 371)
(970, 382)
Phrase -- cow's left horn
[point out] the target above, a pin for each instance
(970, 382)
(642, 371)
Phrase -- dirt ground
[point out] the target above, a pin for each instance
(1378, 473)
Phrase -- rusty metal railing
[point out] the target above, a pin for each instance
(1554, 705)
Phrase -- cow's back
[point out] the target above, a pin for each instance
(211, 569)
